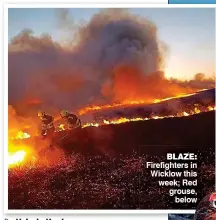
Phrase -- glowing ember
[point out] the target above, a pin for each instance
(16, 158)
(185, 114)
(61, 127)
(197, 111)
(91, 125)
(157, 117)
(210, 108)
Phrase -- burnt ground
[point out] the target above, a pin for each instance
(105, 167)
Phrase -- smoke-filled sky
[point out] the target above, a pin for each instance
(76, 57)
(188, 33)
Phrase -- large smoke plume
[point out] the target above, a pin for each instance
(115, 57)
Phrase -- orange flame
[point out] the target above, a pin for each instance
(125, 120)
(18, 152)
(16, 158)
(62, 127)
(22, 135)
(126, 103)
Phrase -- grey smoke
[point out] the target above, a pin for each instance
(94, 69)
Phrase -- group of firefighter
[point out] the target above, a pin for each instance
(47, 125)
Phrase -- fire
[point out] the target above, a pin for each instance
(210, 108)
(91, 125)
(192, 111)
(22, 135)
(197, 111)
(21, 153)
(121, 120)
(97, 108)
(62, 126)
(126, 103)
(174, 97)
(18, 151)
(16, 158)
(125, 120)
(185, 114)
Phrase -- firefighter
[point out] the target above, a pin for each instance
(47, 124)
(71, 119)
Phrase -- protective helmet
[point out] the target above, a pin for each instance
(41, 114)
(64, 113)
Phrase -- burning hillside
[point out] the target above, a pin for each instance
(111, 74)
(131, 104)
(106, 166)
(193, 104)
